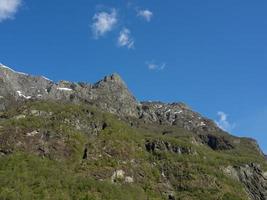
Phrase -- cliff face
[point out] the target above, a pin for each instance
(253, 178)
(110, 94)
(60, 120)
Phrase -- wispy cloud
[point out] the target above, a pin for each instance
(8, 9)
(155, 66)
(104, 22)
(223, 122)
(125, 39)
(145, 14)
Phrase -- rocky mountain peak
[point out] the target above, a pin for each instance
(114, 77)
(113, 81)
(110, 94)
(58, 129)
(113, 95)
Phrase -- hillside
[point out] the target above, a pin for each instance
(97, 141)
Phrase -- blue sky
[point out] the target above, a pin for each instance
(209, 54)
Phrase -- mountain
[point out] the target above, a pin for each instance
(70, 140)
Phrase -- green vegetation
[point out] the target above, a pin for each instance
(66, 151)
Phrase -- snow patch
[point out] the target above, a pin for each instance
(202, 124)
(22, 95)
(8, 68)
(64, 89)
(1, 97)
(46, 78)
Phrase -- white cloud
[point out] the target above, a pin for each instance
(125, 39)
(104, 22)
(8, 9)
(145, 14)
(155, 66)
(223, 122)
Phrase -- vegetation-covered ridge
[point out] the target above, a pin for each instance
(57, 150)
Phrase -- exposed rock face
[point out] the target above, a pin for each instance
(16, 86)
(110, 94)
(180, 115)
(177, 114)
(39, 142)
(113, 96)
(155, 146)
(216, 142)
(254, 180)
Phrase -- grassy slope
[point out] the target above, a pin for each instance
(25, 175)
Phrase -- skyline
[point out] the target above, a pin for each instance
(210, 55)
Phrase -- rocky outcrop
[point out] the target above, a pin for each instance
(252, 177)
(17, 86)
(39, 142)
(110, 94)
(180, 115)
(216, 142)
(157, 146)
(176, 114)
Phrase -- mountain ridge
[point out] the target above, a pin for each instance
(38, 116)
(112, 95)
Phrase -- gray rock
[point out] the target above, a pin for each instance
(252, 178)
(216, 142)
(110, 94)
(177, 114)
(157, 146)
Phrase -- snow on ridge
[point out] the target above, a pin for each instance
(8, 68)
(46, 78)
(178, 112)
(202, 124)
(22, 95)
(64, 89)
(25, 74)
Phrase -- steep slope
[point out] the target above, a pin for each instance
(96, 141)
(110, 94)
